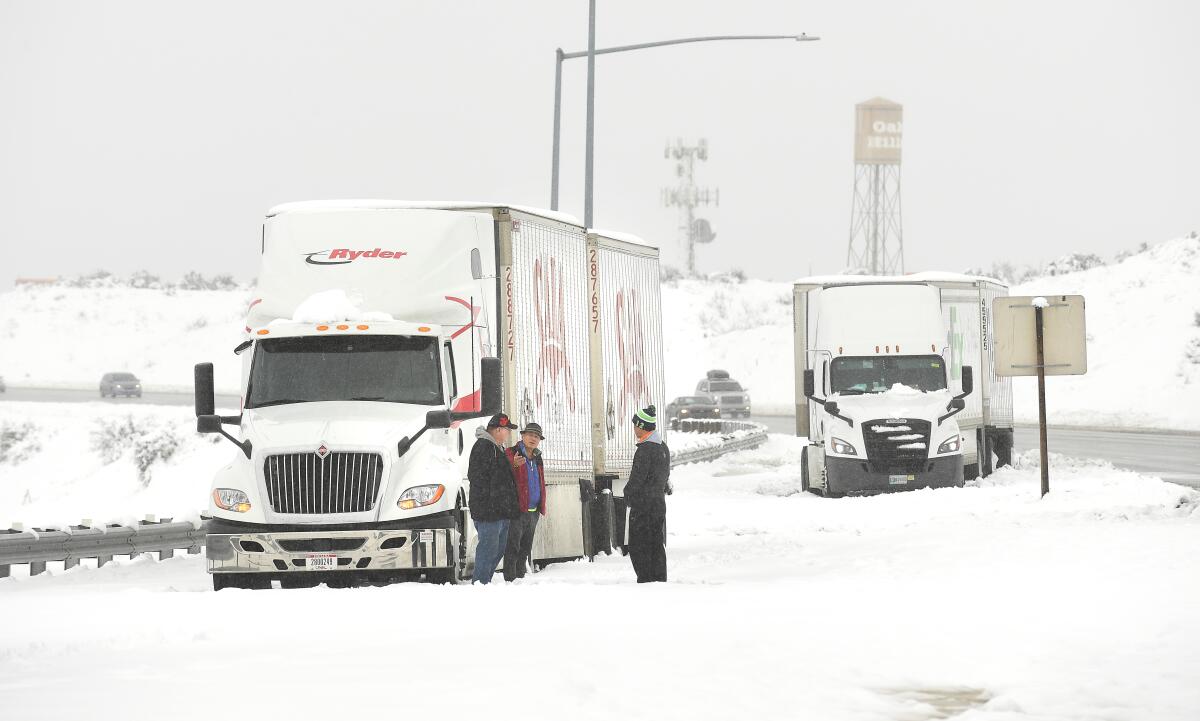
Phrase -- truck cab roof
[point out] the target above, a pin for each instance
(290, 328)
(321, 206)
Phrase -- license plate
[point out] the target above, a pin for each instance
(899, 480)
(321, 562)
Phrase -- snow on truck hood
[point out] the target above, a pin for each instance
(899, 402)
(337, 424)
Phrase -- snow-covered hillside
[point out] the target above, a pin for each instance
(1143, 327)
(1143, 355)
(52, 336)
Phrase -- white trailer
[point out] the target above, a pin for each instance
(856, 338)
(382, 335)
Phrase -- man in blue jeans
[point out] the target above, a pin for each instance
(493, 499)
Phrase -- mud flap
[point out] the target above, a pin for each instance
(598, 515)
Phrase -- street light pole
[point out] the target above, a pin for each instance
(591, 53)
(557, 120)
(591, 115)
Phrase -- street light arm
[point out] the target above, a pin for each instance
(681, 41)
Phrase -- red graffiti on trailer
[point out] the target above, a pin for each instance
(553, 362)
(631, 348)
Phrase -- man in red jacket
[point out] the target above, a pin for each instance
(530, 475)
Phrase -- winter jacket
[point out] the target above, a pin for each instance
(522, 474)
(493, 488)
(650, 477)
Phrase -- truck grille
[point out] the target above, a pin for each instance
(339, 483)
(731, 399)
(897, 445)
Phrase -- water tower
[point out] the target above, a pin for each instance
(876, 238)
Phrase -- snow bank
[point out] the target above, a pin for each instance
(93, 460)
(986, 602)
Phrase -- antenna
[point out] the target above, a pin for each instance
(686, 196)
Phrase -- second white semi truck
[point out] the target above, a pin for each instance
(895, 385)
(382, 335)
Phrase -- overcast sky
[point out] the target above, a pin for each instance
(155, 134)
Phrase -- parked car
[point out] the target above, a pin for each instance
(726, 393)
(692, 407)
(3, 388)
(120, 384)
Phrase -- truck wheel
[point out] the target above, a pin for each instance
(457, 572)
(240, 580)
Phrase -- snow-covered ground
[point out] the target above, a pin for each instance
(1143, 354)
(985, 600)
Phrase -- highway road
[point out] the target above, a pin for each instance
(1172, 457)
(78, 395)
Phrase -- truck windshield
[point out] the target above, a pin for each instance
(873, 374)
(392, 369)
(724, 386)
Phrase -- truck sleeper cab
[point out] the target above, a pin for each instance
(885, 367)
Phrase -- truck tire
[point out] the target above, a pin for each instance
(458, 572)
(240, 580)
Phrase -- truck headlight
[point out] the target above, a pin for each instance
(950, 445)
(231, 499)
(842, 447)
(418, 496)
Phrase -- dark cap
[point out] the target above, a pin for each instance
(532, 427)
(501, 420)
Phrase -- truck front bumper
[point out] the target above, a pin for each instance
(849, 476)
(269, 551)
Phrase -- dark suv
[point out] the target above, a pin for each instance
(692, 407)
(120, 384)
(728, 394)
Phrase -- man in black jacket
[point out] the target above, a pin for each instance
(493, 498)
(645, 494)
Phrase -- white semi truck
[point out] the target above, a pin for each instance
(895, 385)
(382, 335)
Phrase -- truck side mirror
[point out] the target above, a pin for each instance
(437, 419)
(206, 401)
(810, 383)
(968, 381)
(490, 400)
(208, 423)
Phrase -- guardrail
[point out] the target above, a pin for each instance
(38, 546)
(70, 545)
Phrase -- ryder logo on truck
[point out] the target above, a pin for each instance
(342, 256)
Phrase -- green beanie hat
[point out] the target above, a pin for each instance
(646, 419)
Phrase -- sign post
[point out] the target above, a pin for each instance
(1055, 343)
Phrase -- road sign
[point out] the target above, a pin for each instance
(1040, 336)
(1064, 335)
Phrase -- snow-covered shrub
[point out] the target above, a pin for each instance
(148, 449)
(1191, 351)
(197, 281)
(144, 279)
(1073, 262)
(18, 441)
(669, 273)
(147, 441)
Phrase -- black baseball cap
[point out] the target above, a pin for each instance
(501, 420)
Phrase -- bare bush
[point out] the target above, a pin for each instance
(18, 441)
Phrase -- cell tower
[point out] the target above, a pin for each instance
(876, 238)
(686, 196)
